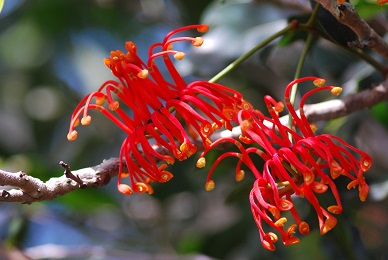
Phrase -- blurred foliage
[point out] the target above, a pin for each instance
(51, 54)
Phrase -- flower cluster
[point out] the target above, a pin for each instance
(297, 163)
(155, 104)
(161, 117)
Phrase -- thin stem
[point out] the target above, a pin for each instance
(302, 60)
(299, 67)
(292, 25)
(313, 16)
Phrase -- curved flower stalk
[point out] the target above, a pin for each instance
(158, 111)
(297, 163)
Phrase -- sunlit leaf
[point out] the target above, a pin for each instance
(367, 10)
(1, 5)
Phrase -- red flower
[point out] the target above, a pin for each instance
(157, 108)
(296, 163)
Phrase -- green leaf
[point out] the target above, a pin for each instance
(291, 37)
(367, 10)
(379, 112)
(86, 200)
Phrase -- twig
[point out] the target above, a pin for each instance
(71, 176)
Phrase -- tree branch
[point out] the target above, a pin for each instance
(346, 14)
(341, 107)
(27, 189)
